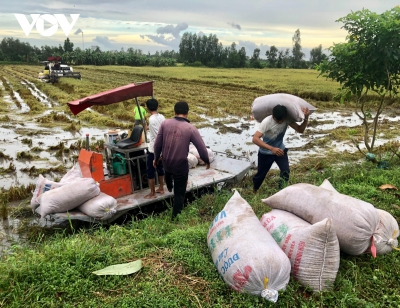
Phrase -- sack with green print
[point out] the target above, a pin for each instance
(313, 250)
(355, 221)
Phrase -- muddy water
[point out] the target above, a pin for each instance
(39, 95)
(234, 144)
(24, 107)
(232, 139)
(9, 234)
(240, 145)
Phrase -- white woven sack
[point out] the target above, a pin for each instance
(385, 237)
(73, 174)
(355, 221)
(313, 250)
(42, 185)
(193, 150)
(388, 231)
(101, 207)
(245, 254)
(68, 196)
(327, 185)
(262, 106)
(192, 160)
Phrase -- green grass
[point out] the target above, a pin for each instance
(56, 270)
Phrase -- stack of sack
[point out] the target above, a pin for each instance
(309, 224)
(72, 193)
(194, 157)
(359, 226)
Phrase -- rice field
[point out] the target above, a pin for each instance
(213, 92)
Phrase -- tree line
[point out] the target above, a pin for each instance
(208, 51)
(194, 50)
(13, 50)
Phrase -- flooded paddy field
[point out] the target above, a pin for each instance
(40, 136)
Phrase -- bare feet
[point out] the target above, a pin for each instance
(150, 196)
(160, 191)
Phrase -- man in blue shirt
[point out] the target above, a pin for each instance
(269, 137)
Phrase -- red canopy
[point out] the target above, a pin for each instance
(112, 96)
(54, 58)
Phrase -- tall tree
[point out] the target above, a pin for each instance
(255, 59)
(242, 57)
(367, 61)
(317, 56)
(296, 50)
(272, 56)
(68, 45)
(233, 56)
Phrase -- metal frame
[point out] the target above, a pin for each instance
(129, 159)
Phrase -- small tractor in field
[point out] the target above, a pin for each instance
(53, 70)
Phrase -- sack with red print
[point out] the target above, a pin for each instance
(313, 250)
(385, 237)
(245, 254)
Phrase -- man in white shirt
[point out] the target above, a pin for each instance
(269, 137)
(155, 121)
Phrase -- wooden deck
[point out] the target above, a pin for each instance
(223, 169)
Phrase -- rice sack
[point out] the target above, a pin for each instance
(262, 106)
(245, 254)
(355, 221)
(313, 250)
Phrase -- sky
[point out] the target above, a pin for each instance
(158, 25)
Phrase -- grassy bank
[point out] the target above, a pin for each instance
(56, 271)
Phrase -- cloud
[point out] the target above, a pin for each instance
(163, 40)
(250, 46)
(78, 31)
(104, 41)
(174, 30)
(142, 36)
(172, 37)
(233, 25)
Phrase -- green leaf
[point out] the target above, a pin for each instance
(121, 269)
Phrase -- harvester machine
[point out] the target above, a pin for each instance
(53, 70)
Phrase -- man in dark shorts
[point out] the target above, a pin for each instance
(269, 137)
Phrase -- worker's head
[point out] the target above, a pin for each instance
(152, 104)
(181, 108)
(142, 104)
(279, 113)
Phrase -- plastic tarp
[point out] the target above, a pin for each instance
(112, 96)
